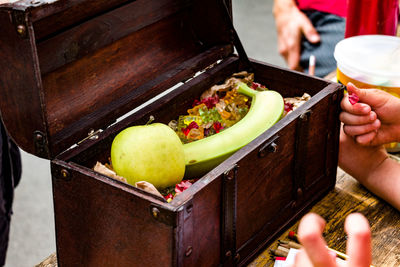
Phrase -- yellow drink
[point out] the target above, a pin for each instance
(344, 79)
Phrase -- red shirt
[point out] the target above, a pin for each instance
(337, 7)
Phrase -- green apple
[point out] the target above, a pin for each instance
(152, 153)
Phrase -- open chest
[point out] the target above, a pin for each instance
(74, 67)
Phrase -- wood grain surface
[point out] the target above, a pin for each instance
(348, 197)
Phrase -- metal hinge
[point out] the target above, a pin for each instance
(268, 147)
(92, 135)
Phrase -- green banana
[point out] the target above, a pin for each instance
(203, 155)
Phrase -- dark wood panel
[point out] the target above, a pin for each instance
(21, 102)
(87, 37)
(315, 153)
(207, 225)
(332, 135)
(111, 73)
(264, 185)
(62, 14)
(100, 222)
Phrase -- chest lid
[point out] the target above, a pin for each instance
(69, 66)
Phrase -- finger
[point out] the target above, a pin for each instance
(302, 260)
(351, 119)
(357, 109)
(282, 49)
(354, 130)
(352, 89)
(294, 47)
(293, 57)
(359, 240)
(372, 97)
(310, 32)
(310, 236)
(366, 139)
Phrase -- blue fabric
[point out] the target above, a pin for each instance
(331, 30)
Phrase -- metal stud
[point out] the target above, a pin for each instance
(299, 192)
(237, 257)
(228, 254)
(21, 29)
(273, 147)
(39, 137)
(155, 212)
(189, 208)
(189, 251)
(65, 174)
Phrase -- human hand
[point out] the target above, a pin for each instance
(315, 252)
(291, 25)
(373, 121)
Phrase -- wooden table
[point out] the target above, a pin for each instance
(347, 197)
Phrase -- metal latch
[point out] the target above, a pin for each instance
(269, 147)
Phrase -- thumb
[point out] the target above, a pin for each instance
(352, 89)
(310, 32)
(373, 97)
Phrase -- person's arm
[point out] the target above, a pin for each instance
(315, 253)
(375, 120)
(291, 25)
(372, 167)
(384, 181)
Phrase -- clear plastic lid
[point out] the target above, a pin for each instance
(372, 59)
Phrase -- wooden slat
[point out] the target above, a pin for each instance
(59, 15)
(94, 34)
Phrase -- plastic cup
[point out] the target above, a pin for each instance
(370, 61)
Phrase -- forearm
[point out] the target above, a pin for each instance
(384, 181)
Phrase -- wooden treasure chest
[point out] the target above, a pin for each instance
(69, 68)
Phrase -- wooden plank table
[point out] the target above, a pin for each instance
(347, 197)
